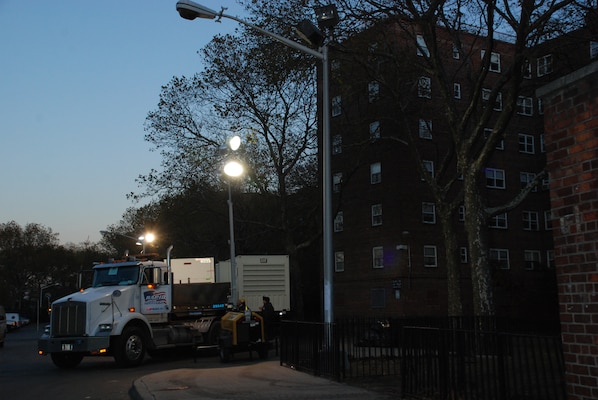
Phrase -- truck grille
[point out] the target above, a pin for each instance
(68, 319)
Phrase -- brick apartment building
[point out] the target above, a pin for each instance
(389, 250)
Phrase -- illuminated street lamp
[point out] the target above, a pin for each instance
(147, 238)
(139, 241)
(327, 18)
(232, 169)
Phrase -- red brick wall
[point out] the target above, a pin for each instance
(571, 135)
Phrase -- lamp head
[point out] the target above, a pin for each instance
(233, 169)
(327, 16)
(190, 10)
(310, 33)
(234, 143)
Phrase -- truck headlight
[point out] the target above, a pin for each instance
(105, 327)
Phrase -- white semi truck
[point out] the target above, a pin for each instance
(136, 307)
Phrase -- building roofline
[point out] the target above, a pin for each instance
(567, 79)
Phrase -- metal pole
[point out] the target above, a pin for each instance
(233, 262)
(39, 305)
(327, 192)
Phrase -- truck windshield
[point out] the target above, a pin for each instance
(116, 276)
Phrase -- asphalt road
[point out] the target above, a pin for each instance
(26, 375)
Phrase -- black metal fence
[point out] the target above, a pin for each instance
(463, 358)
(466, 364)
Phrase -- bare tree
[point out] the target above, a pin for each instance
(441, 30)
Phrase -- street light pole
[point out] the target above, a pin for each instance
(232, 169)
(191, 10)
(233, 261)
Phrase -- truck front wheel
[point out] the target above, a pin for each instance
(130, 347)
(66, 360)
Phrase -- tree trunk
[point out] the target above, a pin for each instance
(477, 238)
(453, 278)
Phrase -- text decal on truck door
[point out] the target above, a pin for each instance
(154, 301)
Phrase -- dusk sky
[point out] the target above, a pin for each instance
(77, 79)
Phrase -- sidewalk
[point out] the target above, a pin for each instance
(262, 380)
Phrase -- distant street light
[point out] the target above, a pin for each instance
(233, 169)
(147, 238)
(327, 17)
(139, 241)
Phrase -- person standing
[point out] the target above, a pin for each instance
(268, 315)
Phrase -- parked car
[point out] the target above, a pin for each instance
(13, 321)
(2, 326)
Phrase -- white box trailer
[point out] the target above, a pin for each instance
(258, 276)
(193, 270)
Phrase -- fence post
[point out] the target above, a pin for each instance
(502, 380)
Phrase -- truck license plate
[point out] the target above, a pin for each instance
(67, 347)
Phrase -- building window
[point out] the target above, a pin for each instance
(378, 298)
(338, 222)
(339, 261)
(532, 259)
(422, 48)
(550, 258)
(540, 107)
(544, 65)
(548, 220)
(501, 143)
(545, 183)
(336, 106)
(377, 214)
(593, 49)
(494, 61)
(461, 213)
(526, 144)
(456, 53)
(375, 130)
(526, 178)
(337, 144)
(497, 102)
(428, 213)
(525, 106)
(499, 221)
(499, 258)
(378, 257)
(425, 129)
(429, 167)
(375, 173)
(337, 182)
(530, 221)
(373, 91)
(463, 256)
(457, 90)
(430, 257)
(542, 143)
(424, 87)
(527, 70)
(495, 178)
